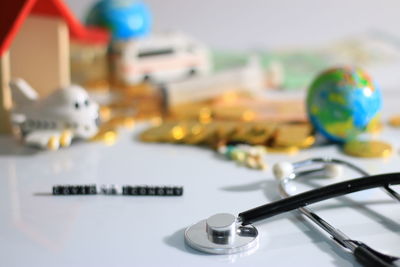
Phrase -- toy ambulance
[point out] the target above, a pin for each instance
(159, 58)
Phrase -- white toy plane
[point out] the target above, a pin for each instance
(66, 114)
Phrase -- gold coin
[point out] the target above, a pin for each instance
(248, 115)
(260, 133)
(106, 135)
(291, 150)
(230, 97)
(210, 134)
(196, 129)
(395, 121)
(198, 138)
(156, 121)
(128, 122)
(193, 111)
(205, 115)
(298, 135)
(195, 133)
(159, 133)
(241, 131)
(368, 149)
(232, 112)
(105, 113)
(178, 132)
(217, 132)
(113, 123)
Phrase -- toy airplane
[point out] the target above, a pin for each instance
(55, 121)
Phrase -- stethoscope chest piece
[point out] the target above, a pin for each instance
(221, 234)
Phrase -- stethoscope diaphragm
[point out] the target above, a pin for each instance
(222, 234)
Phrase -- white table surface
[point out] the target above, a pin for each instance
(37, 229)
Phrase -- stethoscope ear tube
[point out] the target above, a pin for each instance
(316, 195)
(370, 257)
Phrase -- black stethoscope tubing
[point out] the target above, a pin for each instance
(317, 195)
(363, 253)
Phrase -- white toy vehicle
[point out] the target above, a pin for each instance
(54, 121)
(159, 58)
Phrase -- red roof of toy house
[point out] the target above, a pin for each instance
(14, 12)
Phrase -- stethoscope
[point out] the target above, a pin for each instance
(225, 233)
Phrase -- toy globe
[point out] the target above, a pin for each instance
(124, 18)
(343, 103)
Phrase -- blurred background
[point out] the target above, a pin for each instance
(240, 24)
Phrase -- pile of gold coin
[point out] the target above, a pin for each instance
(108, 130)
(280, 137)
(394, 121)
(239, 107)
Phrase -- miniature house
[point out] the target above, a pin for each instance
(34, 45)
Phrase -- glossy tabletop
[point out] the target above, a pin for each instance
(38, 229)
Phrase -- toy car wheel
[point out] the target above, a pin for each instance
(146, 78)
(192, 72)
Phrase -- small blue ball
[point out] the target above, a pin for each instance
(124, 18)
